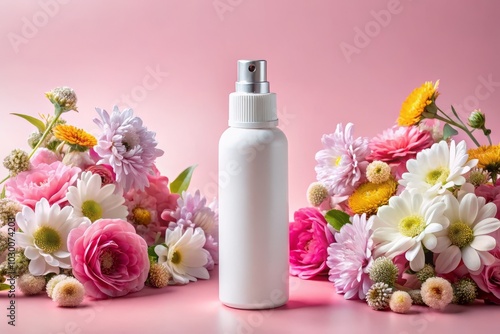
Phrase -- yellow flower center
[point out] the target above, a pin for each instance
(107, 260)
(47, 239)
(336, 161)
(460, 234)
(370, 196)
(92, 210)
(411, 226)
(141, 216)
(438, 175)
(176, 257)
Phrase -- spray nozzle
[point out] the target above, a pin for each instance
(252, 77)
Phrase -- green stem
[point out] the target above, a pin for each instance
(44, 136)
(489, 139)
(460, 126)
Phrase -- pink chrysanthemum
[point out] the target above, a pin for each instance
(127, 146)
(193, 211)
(49, 181)
(398, 144)
(350, 258)
(342, 162)
(143, 216)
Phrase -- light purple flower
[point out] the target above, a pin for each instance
(193, 211)
(127, 146)
(342, 162)
(350, 258)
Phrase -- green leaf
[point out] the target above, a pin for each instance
(4, 286)
(35, 121)
(448, 131)
(2, 195)
(337, 218)
(181, 182)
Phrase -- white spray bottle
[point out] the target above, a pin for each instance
(253, 196)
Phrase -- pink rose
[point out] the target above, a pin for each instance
(158, 188)
(489, 282)
(49, 181)
(309, 241)
(491, 194)
(108, 258)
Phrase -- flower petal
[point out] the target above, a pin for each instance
(471, 258)
(483, 243)
(448, 260)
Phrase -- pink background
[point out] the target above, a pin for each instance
(106, 50)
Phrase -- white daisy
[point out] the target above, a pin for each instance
(44, 236)
(89, 199)
(409, 221)
(468, 236)
(184, 254)
(438, 168)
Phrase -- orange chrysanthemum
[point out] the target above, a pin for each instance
(74, 136)
(370, 196)
(415, 104)
(488, 157)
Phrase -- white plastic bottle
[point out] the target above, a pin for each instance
(253, 196)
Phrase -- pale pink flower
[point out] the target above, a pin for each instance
(49, 181)
(109, 258)
(165, 200)
(350, 257)
(143, 215)
(44, 156)
(342, 162)
(126, 145)
(436, 292)
(310, 237)
(489, 281)
(397, 145)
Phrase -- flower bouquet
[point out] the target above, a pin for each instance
(92, 215)
(407, 217)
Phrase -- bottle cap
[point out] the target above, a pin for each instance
(252, 105)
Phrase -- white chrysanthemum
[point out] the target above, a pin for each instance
(89, 199)
(406, 225)
(184, 254)
(438, 168)
(44, 236)
(468, 236)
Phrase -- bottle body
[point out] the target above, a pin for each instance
(253, 218)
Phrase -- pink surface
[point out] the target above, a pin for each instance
(174, 62)
(313, 308)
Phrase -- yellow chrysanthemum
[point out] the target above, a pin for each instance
(74, 136)
(370, 196)
(488, 158)
(416, 102)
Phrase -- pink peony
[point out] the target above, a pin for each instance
(489, 281)
(310, 237)
(491, 194)
(108, 258)
(44, 156)
(398, 144)
(49, 181)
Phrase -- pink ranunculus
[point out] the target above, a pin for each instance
(44, 156)
(489, 282)
(309, 241)
(491, 193)
(104, 171)
(49, 181)
(108, 258)
(397, 145)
